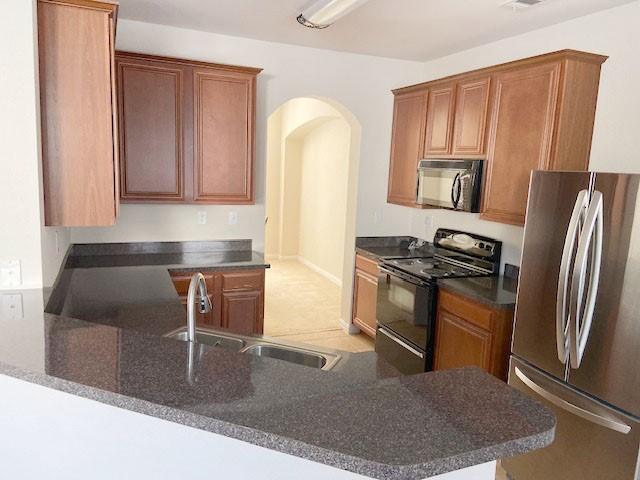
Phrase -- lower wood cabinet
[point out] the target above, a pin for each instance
(237, 297)
(365, 295)
(469, 333)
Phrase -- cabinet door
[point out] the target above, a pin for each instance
(224, 110)
(472, 104)
(520, 138)
(242, 311)
(75, 60)
(460, 343)
(440, 121)
(150, 97)
(365, 295)
(407, 137)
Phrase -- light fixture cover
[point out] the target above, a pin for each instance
(323, 13)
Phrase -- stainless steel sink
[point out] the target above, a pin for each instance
(300, 354)
(208, 338)
(301, 357)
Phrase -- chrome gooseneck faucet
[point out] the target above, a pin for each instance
(204, 303)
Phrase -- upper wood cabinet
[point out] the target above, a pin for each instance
(536, 113)
(520, 138)
(407, 141)
(224, 116)
(187, 130)
(77, 101)
(542, 119)
(151, 99)
(472, 105)
(440, 121)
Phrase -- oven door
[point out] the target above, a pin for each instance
(452, 184)
(405, 307)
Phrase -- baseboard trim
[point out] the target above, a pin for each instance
(349, 327)
(332, 278)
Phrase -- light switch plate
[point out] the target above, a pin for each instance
(233, 218)
(12, 306)
(10, 274)
(202, 217)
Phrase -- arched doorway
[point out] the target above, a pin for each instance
(313, 147)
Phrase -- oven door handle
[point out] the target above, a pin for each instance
(403, 344)
(417, 283)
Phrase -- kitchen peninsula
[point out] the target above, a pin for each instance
(267, 414)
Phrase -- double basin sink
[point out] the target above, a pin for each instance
(263, 347)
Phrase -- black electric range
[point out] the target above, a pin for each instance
(407, 294)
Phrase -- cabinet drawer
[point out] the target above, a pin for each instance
(469, 311)
(367, 265)
(181, 282)
(249, 280)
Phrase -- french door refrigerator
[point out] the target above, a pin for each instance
(576, 342)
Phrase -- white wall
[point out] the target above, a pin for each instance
(614, 32)
(361, 83)
(323, 206)
(23, 237)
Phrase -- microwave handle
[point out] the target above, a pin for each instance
(455, 197)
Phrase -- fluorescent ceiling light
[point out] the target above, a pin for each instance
(323, 13)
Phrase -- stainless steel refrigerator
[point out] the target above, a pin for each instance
(576, 342)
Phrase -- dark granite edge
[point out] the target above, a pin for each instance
(366, 253)
(125, 248)
(215, 268)
(451, 286)
(285, 444)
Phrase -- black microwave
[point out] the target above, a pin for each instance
(451, 184)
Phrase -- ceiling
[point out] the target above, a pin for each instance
(407, 29)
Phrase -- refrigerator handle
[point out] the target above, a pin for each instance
(581, 312)
(573, 231)
(610, 423)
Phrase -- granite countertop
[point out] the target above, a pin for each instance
(128, 285)
(359, 417)
(495, 292)
(380, 248)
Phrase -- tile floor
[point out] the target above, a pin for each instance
(303, 306)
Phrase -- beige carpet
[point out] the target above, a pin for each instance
(302, 305)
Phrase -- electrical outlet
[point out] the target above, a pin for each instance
(377, 217)
(233, 218)
(202, 217)
(10, 274)
(428, 222)
(12, 306)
